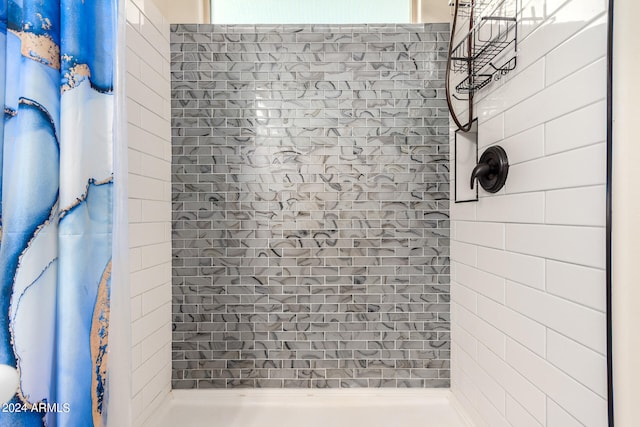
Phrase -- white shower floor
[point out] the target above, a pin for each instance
(309, 408)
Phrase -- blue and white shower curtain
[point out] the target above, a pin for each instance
(57, 85)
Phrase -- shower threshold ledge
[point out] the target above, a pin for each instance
(311, 408)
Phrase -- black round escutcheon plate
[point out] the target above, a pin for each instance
(492, 169)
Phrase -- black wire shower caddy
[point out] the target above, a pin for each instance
(494, 30)
(486, 52)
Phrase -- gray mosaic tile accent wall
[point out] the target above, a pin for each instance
(310, 206)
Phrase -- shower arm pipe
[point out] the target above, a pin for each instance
(467, 127)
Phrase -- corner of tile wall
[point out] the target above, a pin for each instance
(149, 152)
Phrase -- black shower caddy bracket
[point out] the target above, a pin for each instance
(477, 52)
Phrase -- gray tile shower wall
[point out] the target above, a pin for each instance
(310, 206)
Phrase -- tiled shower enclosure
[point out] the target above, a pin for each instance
(310, 206)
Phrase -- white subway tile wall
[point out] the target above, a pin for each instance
(528, 282)
(149, 148)
(311, 232)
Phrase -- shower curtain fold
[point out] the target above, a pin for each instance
(56, 192)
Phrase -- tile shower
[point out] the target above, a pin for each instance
(310, 179)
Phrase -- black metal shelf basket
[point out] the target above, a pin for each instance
(477, 51)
